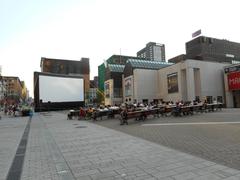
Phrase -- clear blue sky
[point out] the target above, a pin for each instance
(71, 29)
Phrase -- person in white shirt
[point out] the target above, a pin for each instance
(214, 101)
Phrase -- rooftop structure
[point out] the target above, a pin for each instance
(143, 64)
(212, 49)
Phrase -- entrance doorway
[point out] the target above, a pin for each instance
(236, 99)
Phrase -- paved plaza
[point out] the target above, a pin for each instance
(212, 136)
(69, 149)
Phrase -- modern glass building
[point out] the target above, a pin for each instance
(114, 59)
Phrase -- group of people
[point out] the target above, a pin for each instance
(17, 109)
(86, 113)
(91, 112)
(123, 109)
(11, 109)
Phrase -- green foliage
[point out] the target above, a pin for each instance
(100, 97)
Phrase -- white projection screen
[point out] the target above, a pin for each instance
(60, 89)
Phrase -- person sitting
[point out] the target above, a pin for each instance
(215, 104)
(89, 112)
(94, 115)
(177, 110)
(205, 105)
(104, 108)
(82, 113)
(215, 101)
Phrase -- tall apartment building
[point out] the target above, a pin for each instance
(95, 81)
(212, 49)
(153, 51)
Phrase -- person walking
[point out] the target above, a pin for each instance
(124, 117)
(30, 114)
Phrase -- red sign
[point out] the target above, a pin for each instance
(234, 81)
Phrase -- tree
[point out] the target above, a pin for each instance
(100, 97)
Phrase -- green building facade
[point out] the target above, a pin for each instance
(101, 77)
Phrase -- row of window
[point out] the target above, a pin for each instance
(211, 99)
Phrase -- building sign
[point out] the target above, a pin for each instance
(107, 89)
(232, 69)
(128, 86)
(197, 33)
(234, 81)
(172, 80)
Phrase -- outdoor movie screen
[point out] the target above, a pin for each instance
(60, 89)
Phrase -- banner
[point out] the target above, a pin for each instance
(172, 80)
(234, 81)
(128, 86)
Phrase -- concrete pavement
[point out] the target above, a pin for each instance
(61, 149)
(214, 136)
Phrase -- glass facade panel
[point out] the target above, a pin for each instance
(147, 64)
(117, 92)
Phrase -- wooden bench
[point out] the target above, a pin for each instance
(168, 111)
(99, 114)
(213, 107)
(198, 108)
(137, 115)
(186, 110)
(154, 112)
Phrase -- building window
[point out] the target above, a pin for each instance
(209, 99)
(210, 40)
(204, 39)
(220, 99)
(117, 93)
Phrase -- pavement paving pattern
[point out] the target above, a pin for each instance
(11, 131)
(213, 138)
(64, 149)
